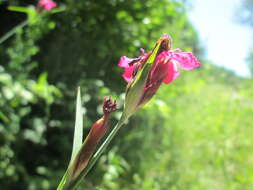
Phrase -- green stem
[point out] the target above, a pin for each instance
(73, 184)
(12, 31)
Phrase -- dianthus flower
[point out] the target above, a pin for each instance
(146, 73)
(47, 4)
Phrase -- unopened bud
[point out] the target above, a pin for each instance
(96, 133)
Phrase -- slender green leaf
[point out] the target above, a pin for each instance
(13, 31)
(78, 131)
(20, 9)
(77, 140)
(63, 181)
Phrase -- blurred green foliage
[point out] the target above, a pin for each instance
(245, 16)
(195, 134)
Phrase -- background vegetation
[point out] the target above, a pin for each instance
(195, 134)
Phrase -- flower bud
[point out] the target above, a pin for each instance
(96, 133)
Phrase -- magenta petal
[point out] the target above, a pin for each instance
(172, 74)
(50, 6)
(128, 74)
(47, 4)
(124, 61)
(186, 60)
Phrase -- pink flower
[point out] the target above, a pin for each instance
(165, 66)
(47, 4)
(163, 63)
(131, 64)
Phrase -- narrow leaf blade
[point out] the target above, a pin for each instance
(63, 181)
(78, 131)
(20, 9)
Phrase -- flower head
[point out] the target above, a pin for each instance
(152, 69)
(47, 4)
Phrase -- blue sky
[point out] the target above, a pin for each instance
(227, 42)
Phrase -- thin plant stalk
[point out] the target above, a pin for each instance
(12, 31)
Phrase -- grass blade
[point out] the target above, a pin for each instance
(78, 131)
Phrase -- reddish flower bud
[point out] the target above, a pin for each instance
(96, 133)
